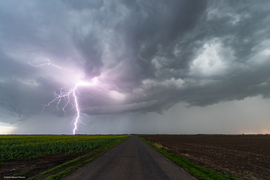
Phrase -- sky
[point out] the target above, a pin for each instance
(157, 66)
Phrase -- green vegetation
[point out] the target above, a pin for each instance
(60, 166)
(31, 146)
(61, 174)
(26, 171)
(197, 171)
(67, 167)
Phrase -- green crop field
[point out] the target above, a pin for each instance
(31, 146)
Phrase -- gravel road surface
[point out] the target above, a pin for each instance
(132, 159)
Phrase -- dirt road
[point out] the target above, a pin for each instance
(132, 159)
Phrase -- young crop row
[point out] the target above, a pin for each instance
(34, 146)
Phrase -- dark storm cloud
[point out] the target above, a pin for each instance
(10, 68)
(147, 55)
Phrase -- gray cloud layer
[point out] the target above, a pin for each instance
(147, 55)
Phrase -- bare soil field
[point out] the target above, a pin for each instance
(40, 164)
(245, 156)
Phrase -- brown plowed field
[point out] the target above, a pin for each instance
(247, 156)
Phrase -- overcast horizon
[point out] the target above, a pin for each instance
(142, 67)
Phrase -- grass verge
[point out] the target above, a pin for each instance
(67, 167)
(197, 171)
(60, 166)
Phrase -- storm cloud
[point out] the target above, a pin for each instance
(147, 56)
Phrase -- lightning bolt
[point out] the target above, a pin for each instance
(65, 94)
(45, 64)
(76, 101)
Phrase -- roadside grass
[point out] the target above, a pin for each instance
(26, 171)
(67, 167)
(62, 173)
(60, 166)
(197, 171)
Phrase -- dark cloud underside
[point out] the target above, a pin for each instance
(149, 54)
